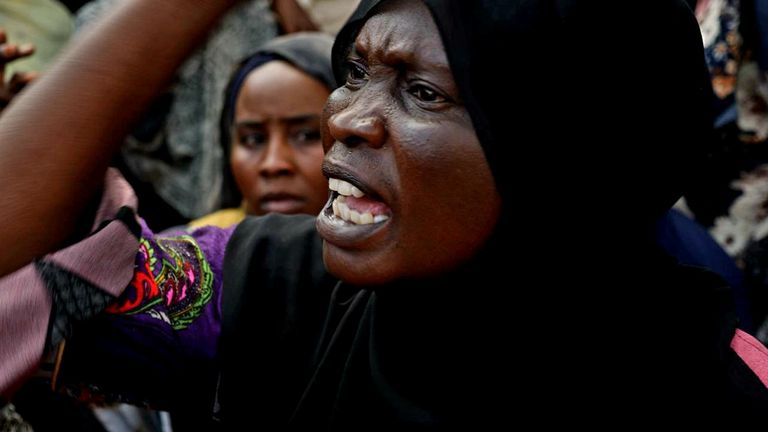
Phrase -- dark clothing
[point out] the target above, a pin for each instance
(431, 353)
(563, 316)
(686, 240)
(416, 354)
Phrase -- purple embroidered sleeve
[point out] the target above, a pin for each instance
(140, 312)
(177, 283)
(156, 344)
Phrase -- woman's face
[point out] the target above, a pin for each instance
(276, 148)
(412, 192)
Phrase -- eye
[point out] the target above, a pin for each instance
(356, 73)
(252, 140)
(426, 94)
(306, 136)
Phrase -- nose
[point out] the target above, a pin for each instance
(277, 159)
(360, 122)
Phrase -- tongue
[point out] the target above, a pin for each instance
(366, 205)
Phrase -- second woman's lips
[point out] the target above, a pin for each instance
(281, 203)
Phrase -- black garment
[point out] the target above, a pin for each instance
(343, 357)
(276, 309)
(574, 317)
(45, 410)
(600, 126)
(458, 350)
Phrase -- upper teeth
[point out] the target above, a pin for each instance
(344, 188)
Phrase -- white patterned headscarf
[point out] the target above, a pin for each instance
(180, 152)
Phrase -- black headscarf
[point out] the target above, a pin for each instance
(606, 99)
(569, 313)
(309, 52)
(594, 117)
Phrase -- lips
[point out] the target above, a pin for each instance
(355, 213)
(332, 170)
(280, 202)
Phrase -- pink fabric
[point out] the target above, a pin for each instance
(117, 193)
(753, 353)
(25, 308)
(105, 259)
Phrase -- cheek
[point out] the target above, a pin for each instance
(311, 162)
(450, 200)
(243, 169)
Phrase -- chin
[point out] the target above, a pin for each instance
(371, 270)
(355, 268)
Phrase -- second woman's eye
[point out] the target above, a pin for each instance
(426, 94)
(306, 136)
(253, 140)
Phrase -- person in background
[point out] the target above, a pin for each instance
(46, 24)
(173, 158)
(11, 86)
(731, 194)
(271, 129)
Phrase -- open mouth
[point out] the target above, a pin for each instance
(352, 205)
(355, 216)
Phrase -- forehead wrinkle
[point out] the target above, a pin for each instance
(390, 48)
(377, 38)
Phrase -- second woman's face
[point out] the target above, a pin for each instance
(412, 192)
(276, 150)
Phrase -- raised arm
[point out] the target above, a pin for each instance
(56, 140)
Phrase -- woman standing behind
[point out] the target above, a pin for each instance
(270, 128)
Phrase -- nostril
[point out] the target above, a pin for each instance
(354, 127)
(354, 141)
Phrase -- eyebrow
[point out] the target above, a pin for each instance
(400, 58)
(299, 119)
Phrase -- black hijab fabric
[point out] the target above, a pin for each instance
(569, 314)
(599, 94)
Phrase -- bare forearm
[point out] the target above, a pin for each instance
(56, 139)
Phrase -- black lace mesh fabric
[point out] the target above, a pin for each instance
(74, 299)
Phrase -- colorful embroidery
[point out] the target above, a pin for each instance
(173, 273)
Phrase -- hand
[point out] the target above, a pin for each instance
(8, 53)
(292, 17)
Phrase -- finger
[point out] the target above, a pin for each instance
(10, 51)
(26, 49)
(19, 80)
(3, 36)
